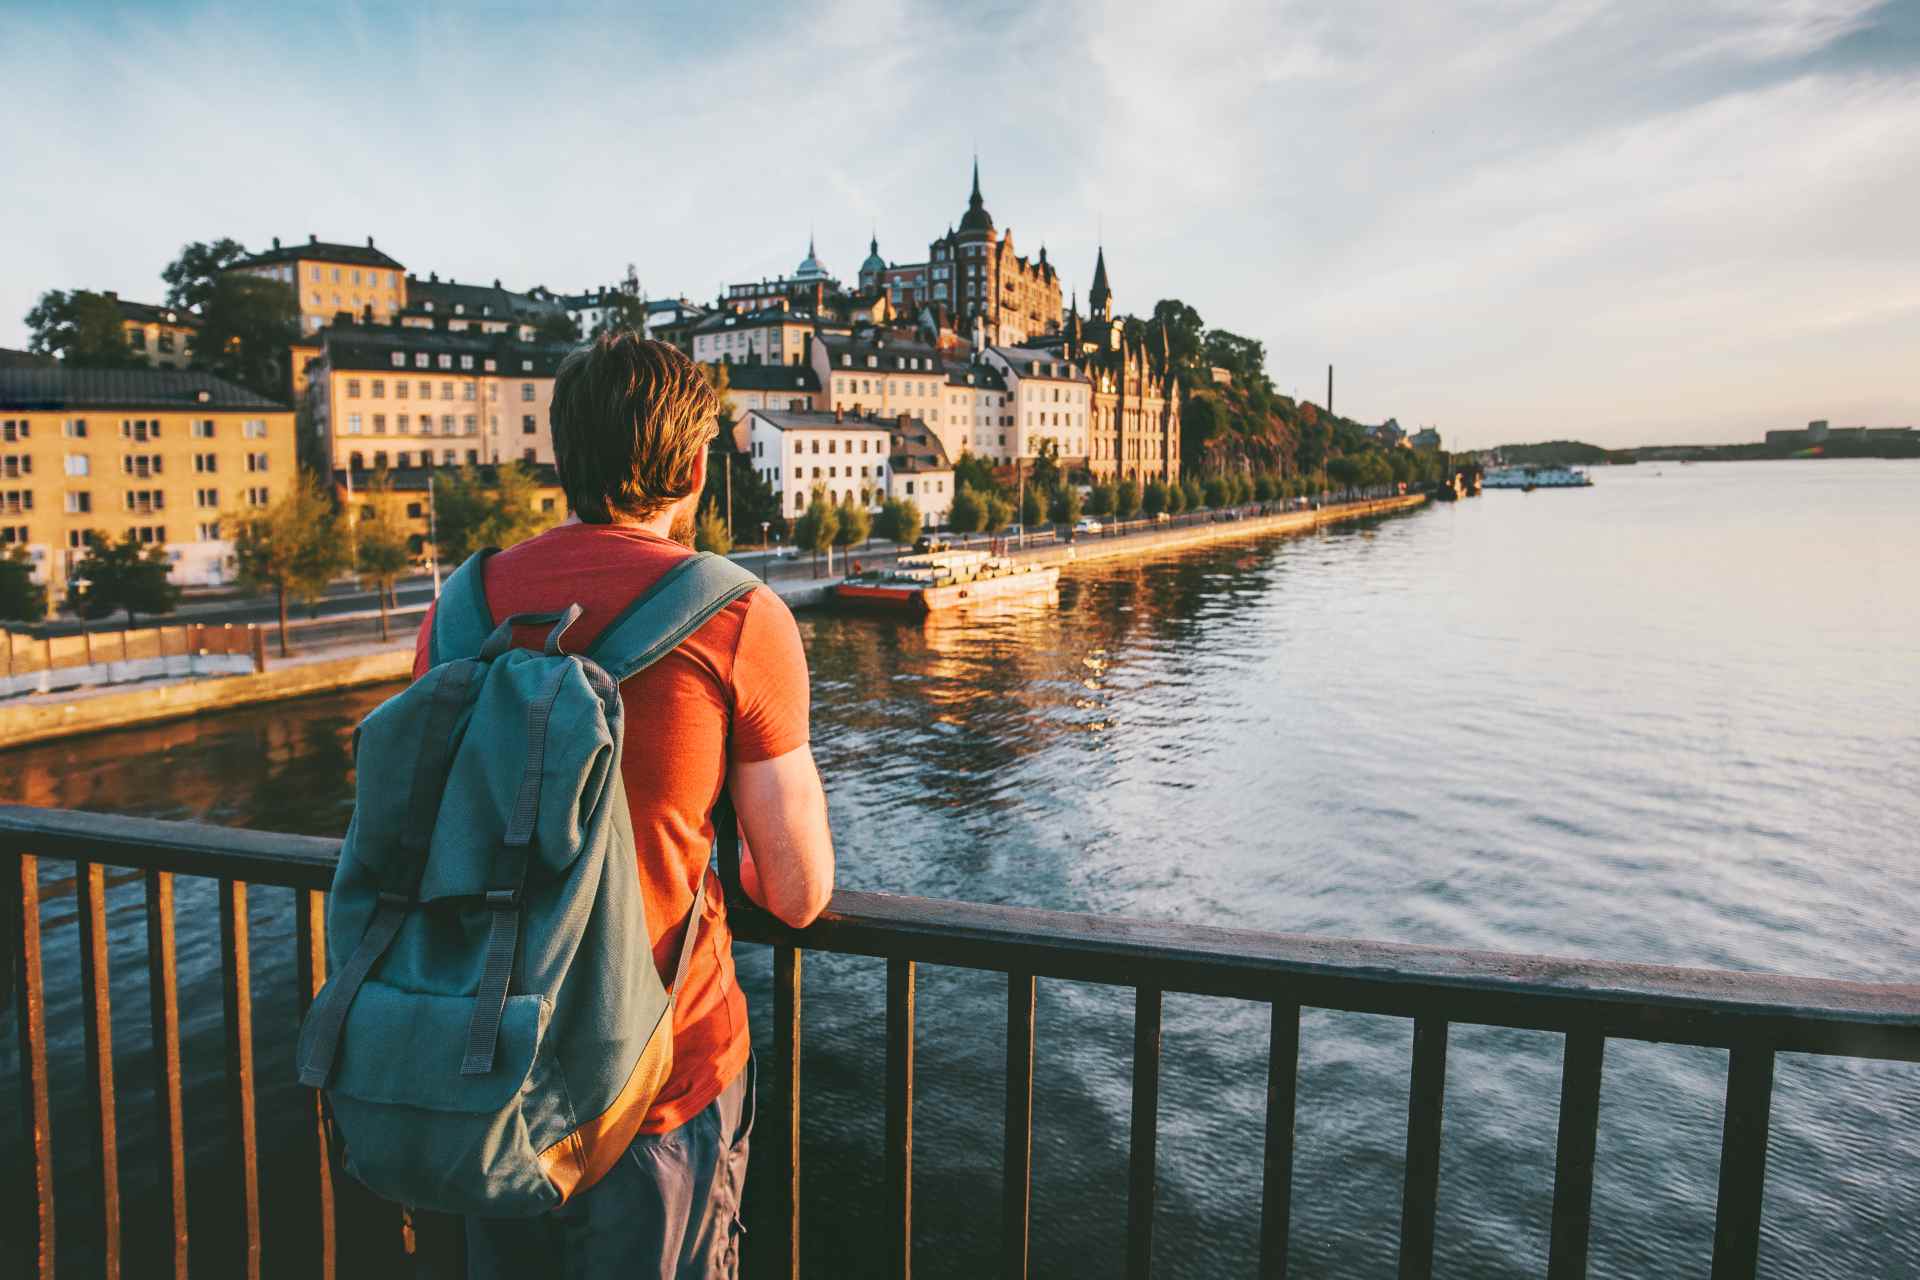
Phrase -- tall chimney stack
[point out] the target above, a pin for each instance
(1329, 391)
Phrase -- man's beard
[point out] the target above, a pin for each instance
(682, 529)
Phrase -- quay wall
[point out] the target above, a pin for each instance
(39, 718)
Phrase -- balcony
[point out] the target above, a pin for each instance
(1753, 1016)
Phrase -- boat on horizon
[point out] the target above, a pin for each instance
(1529, 478)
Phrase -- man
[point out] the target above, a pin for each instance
(632, 420)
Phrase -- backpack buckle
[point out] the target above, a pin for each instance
(503, 899)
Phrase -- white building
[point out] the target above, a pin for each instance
(867, 460)
(978, 412)
(876, 374)
(1050, 396)
(922, 471)
(773, 336)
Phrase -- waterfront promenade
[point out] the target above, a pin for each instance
(350, 661)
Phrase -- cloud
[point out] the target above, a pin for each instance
(1625, 219)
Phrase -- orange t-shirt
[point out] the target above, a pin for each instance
(735, 690)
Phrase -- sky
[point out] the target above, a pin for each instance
(1628, 223)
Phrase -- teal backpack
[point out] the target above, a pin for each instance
(494, 1031)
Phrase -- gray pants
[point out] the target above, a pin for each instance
(669, 1209)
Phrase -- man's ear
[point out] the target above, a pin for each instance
(700, 470)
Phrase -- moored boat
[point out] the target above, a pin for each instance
(947, 580)
(1530, 478)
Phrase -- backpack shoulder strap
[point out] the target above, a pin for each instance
(462, 621)
(668, 612)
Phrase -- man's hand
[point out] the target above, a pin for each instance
(787, 863)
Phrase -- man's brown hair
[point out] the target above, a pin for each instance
(630, 419)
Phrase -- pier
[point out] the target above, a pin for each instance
(1754, 1017)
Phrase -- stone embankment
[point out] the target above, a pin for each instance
(40, 717)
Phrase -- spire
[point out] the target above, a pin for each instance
(1100, 297)
(976, 217)
(975, 200)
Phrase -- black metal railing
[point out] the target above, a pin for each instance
(1754, 1016)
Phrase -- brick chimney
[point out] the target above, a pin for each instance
(839, 415)
(276, 242)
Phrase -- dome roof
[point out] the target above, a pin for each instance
(976, 218)
(874, 263)
(810, 268)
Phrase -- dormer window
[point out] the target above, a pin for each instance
(399, 359)
(846, 361)
(873, 362)
(459, 308)
(426, 306)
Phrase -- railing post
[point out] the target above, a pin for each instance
(900, 975)
(310, 934)
(786, 1111)
(1743, 1164)
(30, 1014)
(1017, 1169)
(97, 1030)
(163, 998)
(1276, 1199)
(1424, 1103)
(1145, 1132)
(237, 1000)
(1573, 1156)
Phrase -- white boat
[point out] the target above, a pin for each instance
(1536, 478)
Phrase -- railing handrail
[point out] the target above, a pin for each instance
(1663, 1003)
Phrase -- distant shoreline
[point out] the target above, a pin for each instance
(1577, 453)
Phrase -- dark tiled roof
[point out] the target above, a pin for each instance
(822, 420)
(479, 301)
(323, 251)
(887, 349)
(773, 377)
(371, 347)
(1023, 358)
(68, 388)
(148, 313)
(917, 449)
(720, 320)
(983, 375)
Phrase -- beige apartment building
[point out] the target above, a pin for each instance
(402, 397)
(331, 278)
(775, 335)
(171, 456)
(164, 335)
(877, 374)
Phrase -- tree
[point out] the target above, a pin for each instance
(83, 328)
(1034, 506)
(1264, 489)
(123, 575)
(1126, 499)
(1186, 332)
(969, 510)
(295, 548)
(999, 513)
(1065, 506)
(381, 543)
(1196, 493)
(1153, 498)
(555, 326)
(471, 513)
(1176, 498)
(1101, 501)
(710, 532)
(192, 275)
(1216, 491)
(21, 598)
(1045, 472)
(975, 472)
(245, 329)
(815, 529)
(856, 523)
(899, 520)
(1245, 358)
(1343, 473)
(621, 310)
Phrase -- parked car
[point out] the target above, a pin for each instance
(930, 542)
(1086, 526)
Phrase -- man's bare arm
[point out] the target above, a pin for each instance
(787, 864)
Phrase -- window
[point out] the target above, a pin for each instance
(400, 389)
(446, 391)
(426, 390)
(416, 510)
(256, 462)
(143, 465)
(446, 361)
(403, 459)
(254, 428)
(379, 388)
(257, 497)
(78, 464)
(140, 429)
(399, 359)
(137, 339)
(313, 273)
(79, 503)
(15, 465)
(76, 538)
(527, 455)
(466, 391)
(379, 424)
(471, 424)
(353, 388)
(150, 534)
(353, 424)
(74, 428)
(526, 366)
(206, 497)
(420, 359)
(546, 504)
(209, 531)
(146, 501)
(203, 429)
(336, 275)
(489, 364)
(526, 391)
(204, 464)
(404, 424)
(473, 455)
(466, 362)
(446, 424)
(526, 424)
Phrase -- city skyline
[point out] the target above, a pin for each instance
(1577, 220)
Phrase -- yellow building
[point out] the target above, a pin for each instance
(331, 278)
(402, 397)
(164, 335)
(162, 453)
(408, 492)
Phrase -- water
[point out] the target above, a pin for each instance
(1672, 718)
